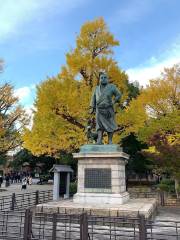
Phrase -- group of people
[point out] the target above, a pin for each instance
(16, 177)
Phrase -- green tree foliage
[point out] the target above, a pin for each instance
(137, 161)
(134, 91)
(62, 102)
(26, 156)
(3, 159)
(66, 158)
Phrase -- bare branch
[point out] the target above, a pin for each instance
(69, 118)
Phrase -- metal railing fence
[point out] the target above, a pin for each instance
(163, 199)
(29, 225)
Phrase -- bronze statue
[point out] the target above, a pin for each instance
(102, 103)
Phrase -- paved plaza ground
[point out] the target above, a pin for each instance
(16, 188)
(168, 213)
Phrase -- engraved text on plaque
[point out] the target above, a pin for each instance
(97, 178)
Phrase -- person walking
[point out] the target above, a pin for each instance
(30, 180)
(1, 180)
(7, 180)
(24, 183)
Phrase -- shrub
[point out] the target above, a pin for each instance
(73, 188)
(167, 185)
(167, 181)
(45, 177)
(163, 187)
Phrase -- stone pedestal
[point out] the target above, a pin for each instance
(101, 186)
(101, 175)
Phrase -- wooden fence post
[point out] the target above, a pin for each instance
(27, 224)
(83, 226)
(13, 201)
(37, 197)
(162, 198)
(54, 221)
(142, 228)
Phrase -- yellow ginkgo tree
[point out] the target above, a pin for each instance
(62, 102)
(13, 120)
(154, 116)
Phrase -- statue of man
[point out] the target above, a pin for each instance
(102, 102)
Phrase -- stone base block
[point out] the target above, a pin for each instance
(101, 198)
(132, 208)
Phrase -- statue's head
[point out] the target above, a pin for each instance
(103, 78)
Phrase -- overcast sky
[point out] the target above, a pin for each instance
(36, 34)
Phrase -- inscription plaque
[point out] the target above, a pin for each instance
(97, 178)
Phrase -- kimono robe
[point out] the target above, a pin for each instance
(102, 102)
